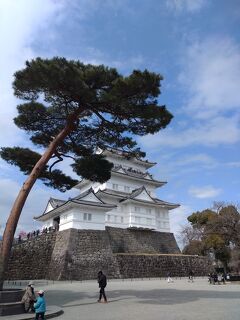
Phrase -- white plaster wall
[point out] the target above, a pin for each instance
(143, 216)
(124, 216)
(117, 217)
(143, 196)
(49, 208)
(126, 163)
(132, 184)
(47, 223)
(92, 198)
(162, 219)
(90, 184)
(74, 218)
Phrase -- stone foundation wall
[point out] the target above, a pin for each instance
(143, 266)
(141, 241)
(120, 253)
(80, 254)
(30, 259)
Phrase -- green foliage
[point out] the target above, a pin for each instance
(101, 107)
(94, 168)
(214, 241)
(198, 219)
(26, 159)
(223, 254)
(228, 210)
(219, 230)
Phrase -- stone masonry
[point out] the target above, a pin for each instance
(120, 253)
(30, 259)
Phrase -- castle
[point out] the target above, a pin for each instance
(120, 227)
(127, 200)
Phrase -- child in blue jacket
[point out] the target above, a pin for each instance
(40, 306)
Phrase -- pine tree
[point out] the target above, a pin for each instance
(70, 109)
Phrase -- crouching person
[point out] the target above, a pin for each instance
(40, 306)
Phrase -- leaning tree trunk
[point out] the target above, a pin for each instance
(15, 213)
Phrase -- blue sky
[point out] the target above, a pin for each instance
(194, 44)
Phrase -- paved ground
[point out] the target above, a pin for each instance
(145, 300)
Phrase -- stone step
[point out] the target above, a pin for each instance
(52, 311)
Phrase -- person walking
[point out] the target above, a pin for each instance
(102, 282)
(40, 306)
(190, 276)
(169, 279)
(29, 298)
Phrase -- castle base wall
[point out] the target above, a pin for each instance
(160, 265)
(30, 259)
(120, 253)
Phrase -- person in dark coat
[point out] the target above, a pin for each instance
(102, 282)
(190, 276)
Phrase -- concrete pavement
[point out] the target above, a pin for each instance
(145, 299)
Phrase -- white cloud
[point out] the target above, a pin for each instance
(35, 204)
(211, 77)
(234, 164)
(216, 131)
(204, 192)
(186, 5)
(96, 57)
(21, 22)
(178, 218)
(200, 159)
(210, 80)
(9, 190)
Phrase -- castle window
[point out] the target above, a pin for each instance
(136, 209)
(137, 219)
(115, 186)
(165, 215)
(121, 219)
(115, 218)
(166, 225)
(148, 211)
(108, 217)
(149, 221)
(126, 189)
(87, 216)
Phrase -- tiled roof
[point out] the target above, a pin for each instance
(126, 154)
(134, 194)
(56, 202)
(85, 193)
(136, 174)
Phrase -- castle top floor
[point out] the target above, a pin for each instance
(119, 158)
(128, 173)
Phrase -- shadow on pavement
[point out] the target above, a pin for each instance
(172, 296)
(90, 303)
(156, 296)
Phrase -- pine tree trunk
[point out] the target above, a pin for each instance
(15, 213)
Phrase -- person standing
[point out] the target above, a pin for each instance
(40, 306)
(29, 297)
(102, 282)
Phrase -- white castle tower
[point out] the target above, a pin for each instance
(126, 200)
